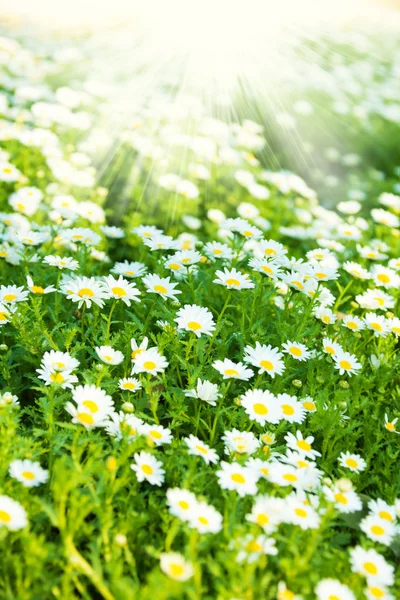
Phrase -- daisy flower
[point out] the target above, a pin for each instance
(65, 262)
(297, 350)
(378, 530)
(267, 512)
(354, 462)
(161, 286)
(371, 565)
(149, 361)
(265, 358)
(85, 290)
(391, 425)
(346, 363)
(301, 445)
(377, 323)
(129, 269)
(356, 270)
(199, 448)
(309, 404)
(324, 314)
(271, 248)
(385, 277)
(93, 399)
(353, 322)
(136, 350)
(12, 514)
(59, 361)
(205, 518)
(121, 289)
(63, 378)
(331, 347)
(301, 513)
(252, 548)
(232, 370)
(332, 588)
(241, 442)
(205, 390)
(233, 279)
(180, 502)
(292, 410)
(28, 472)
(375, 299)
(148, 468)
(129, 384)
(345, 501)
(261, 406)
(157, 434)
(260, 467)
(175, 566)
(375, 591)
(235, 477)
(215, 250)
(108, 355)
(11, 294)
(120, 425)
(267, 267)
(196, 319)
(382, 509)
(285, 475)
(37, 289)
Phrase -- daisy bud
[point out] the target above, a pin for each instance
(344, 484)
(3, 347)
(344, 384)
(238, 401)
(389, 315)
(320, 379)
(111, 463)
(99, 367)
(297, 383)
(40, 174)
(120, 539)
(327, 481)
(128, 407)
(353, 304)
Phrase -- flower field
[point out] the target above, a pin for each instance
(199, 352)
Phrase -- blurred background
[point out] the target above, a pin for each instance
(320, 79)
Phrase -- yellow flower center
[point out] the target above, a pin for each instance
(380, 301)
(118, 291)
(303, 445)
(376, 592)
(320, 275)
(260, 409)
(194, 325)
(298, 284)
(231, 372)
(201, 449)
(155, 434)
(56, 377)
(92, 406)
(3, 254)
(266, 364)
(270, 251)
(85, 418)
(128, 385)
(85, 292)
(326, 319)
(300, 513)
(149, 365)
(217, 251)
(108, 357)
(352, 325)
(296, 351)
(238, 478)
(262, 519)
(384, 514)
(203, 520)
(376, 326)
(341, 498)
(309, 405)
(287, 409)
(160, 289)
(176, 570)
(267, 269)
(234, 282)
(345, 365)
(253, 546)
(352, 463)
(183, 504)
(5, 517)
(10, 297)
(175, 266)
(290, 477)
(383, 278)
(147, 469)
(136, 352)
(248, 233)
(370, 568)
(28, 475)
(377, 530)
(390, 427)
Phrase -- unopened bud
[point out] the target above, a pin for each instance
(128, 407)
